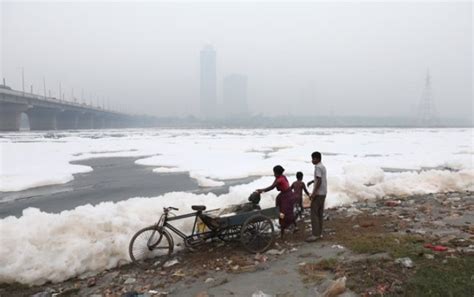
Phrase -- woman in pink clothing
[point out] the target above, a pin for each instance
(285, 200)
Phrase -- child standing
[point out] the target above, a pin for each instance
(285, 200)
(298, 187)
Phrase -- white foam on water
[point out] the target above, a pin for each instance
(40, 247)
(167, 170)
(227, 154)
(25, 165)
(206, 182)
(350, 188)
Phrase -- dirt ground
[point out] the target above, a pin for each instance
(372, 248)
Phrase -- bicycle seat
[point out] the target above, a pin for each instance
(198, 207)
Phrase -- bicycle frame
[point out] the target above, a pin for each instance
(164, 223)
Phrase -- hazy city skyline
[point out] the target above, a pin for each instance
(208, 82)
(366, 59)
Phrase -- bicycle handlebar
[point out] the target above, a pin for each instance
(170, 208)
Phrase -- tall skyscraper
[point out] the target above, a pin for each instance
(235, 95)
(208, 95)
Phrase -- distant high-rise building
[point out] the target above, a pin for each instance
(235, 95)
(208, 91)
(427, 114)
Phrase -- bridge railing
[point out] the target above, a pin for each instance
(48, 99)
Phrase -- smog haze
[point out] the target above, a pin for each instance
(302, 59)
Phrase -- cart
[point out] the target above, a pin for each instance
(245, 223)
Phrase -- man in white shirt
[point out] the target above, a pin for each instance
(317, 197)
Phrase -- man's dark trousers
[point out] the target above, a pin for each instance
(317, 210)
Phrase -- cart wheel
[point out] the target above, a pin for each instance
(149, 243)
(257, 234)
(229, 234)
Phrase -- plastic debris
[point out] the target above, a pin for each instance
(436, 248)
(439, 248)
(179, 273)
(170, 263)
(336, 287)
(260, 293)
(392, 203)
(130, 280)
(209, 280)
(260, 258)
(275, 252)
(405, 262)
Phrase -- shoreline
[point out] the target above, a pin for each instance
(116, 179)
(363, 243)
(112, 179)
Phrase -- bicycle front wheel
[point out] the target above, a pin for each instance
(150, 245)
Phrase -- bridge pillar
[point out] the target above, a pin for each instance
(107, 122)
(99, 122)
(112, 122)
(67, 120)
(42, 118)
(10, 116)
(85, 121)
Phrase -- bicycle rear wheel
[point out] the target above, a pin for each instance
(150, 245)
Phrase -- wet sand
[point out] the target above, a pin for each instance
(112, 179)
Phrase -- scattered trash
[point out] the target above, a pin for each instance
(129, 280)
(382, 288)
(179, 273)
(416, 231)
(337, 246)
(261, 258)
(405, 262)
(248, 268)
(170, 263)
(439, 248)
(392, 203)
(209, 280)
(275, 252)
(42, 294)
(261, 294)
(336, 288)
(91, 282)
(436, 248)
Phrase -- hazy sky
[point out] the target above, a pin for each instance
(300, 58)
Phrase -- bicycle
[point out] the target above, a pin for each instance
(253, 227)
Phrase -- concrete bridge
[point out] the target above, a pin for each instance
(47, 113)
